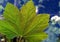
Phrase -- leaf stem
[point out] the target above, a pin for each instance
(9, 40)
(20, 39)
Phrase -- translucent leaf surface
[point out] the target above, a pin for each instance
(24, 22)
(38, 24)
(37, 36)
(11, 15)
(7, 29)
(27, 14)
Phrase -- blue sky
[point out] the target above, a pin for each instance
(50, 6)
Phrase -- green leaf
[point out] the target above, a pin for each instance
(24, 23)
(39, 24)
(11, 13)
(37, 36)
(27, 14)
(31, 40)
(7, 29)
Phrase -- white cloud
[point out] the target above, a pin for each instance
(59, 3)
(55, 18)
(36, 9)
(1, 1)
(1, 8)
(40, 1)
(40, 5)
(1, 17)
